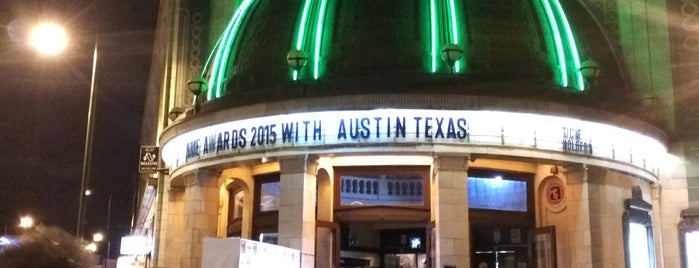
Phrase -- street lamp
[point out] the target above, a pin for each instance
(26, 222)
(451, 53)
(51, 39)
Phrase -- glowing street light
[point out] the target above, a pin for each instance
(97, 237)
(26, 222)
(51, 39)
(92, 247)
(48, 39)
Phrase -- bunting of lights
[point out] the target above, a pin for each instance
(563, 51)
(443, 30)
(309, 34)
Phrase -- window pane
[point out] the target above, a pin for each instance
(269, 196)
(638, 243)
(497, 194)
(692, 242)
(382, 189)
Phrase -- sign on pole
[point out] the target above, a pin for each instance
(149, 158)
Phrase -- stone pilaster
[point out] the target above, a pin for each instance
(297, 207)
(450, 210)
(579, 231)
(200, 214)
(170, 245)
(655, 192)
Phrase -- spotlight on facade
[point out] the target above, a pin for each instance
(589, 69)
(296, 59)
(451, 53)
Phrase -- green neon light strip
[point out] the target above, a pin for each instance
(571, 45)
(319, 38)
(217, 61)
(220, 64)
(454, 31)
(302, 25)
(211, 55)
(558, 42)
(433, 36)
(301, 32)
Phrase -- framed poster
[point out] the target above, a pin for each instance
(545, 247)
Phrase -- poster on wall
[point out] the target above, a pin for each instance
(244, 253)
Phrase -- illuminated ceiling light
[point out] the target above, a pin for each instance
(49, 39)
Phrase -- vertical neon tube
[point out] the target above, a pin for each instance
(571, 45)
(433, 36)
(217, 61)
(223, 52)
(302, 31)
(557, 41)
(319, 37)
(302, 25)
(454, 31)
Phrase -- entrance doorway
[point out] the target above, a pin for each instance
(383, 244)
(501, 219)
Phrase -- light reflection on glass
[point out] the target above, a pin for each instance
(638, 243)
(692, 242)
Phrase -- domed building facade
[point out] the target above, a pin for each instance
(423, 133)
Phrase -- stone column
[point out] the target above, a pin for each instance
(450, 210)
(579, 231)
(200, 214)
(297, 223)
(170, 247)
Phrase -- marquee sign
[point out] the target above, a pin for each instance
(383, 127)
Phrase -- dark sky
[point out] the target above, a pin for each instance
(43, 111)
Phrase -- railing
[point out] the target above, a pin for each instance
(380, 190)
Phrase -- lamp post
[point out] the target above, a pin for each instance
(197, 86)
(451, 53)
(26, 222)
(51, 39)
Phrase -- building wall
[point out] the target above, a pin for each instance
(589, 229)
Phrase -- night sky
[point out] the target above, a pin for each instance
(43, 111)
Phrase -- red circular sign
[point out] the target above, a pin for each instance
(555, 192)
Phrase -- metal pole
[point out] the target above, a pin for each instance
(85, 179)
(109, 236)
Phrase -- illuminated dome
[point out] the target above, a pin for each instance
(273, 50)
